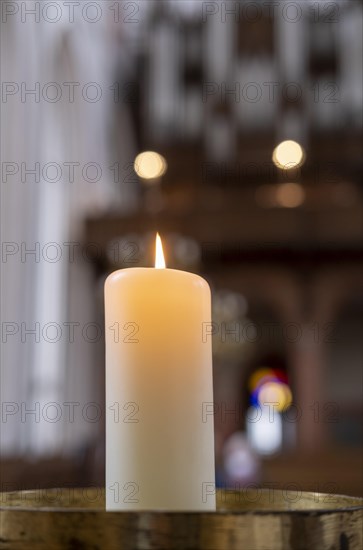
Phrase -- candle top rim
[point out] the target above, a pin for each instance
(125, 272)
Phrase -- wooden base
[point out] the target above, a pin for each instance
(68, 518)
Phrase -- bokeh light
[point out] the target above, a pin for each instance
(268, 385)
(282, 195)
(150, 165)
(240, 462)
(258, 375)
(277, 393)
(264, 432)
(290, 195)
(288, 154)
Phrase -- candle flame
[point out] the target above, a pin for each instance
(159, 256)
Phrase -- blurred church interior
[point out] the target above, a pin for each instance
(235, 130)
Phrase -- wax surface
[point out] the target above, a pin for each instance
(160, 448)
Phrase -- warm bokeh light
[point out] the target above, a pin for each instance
(290, 195)
(150, 165)
(159, 254)
(282, 195)
(257, 376)
(288, 154)
(270, 385)
(275, 393)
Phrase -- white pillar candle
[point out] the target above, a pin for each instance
(159, 439)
